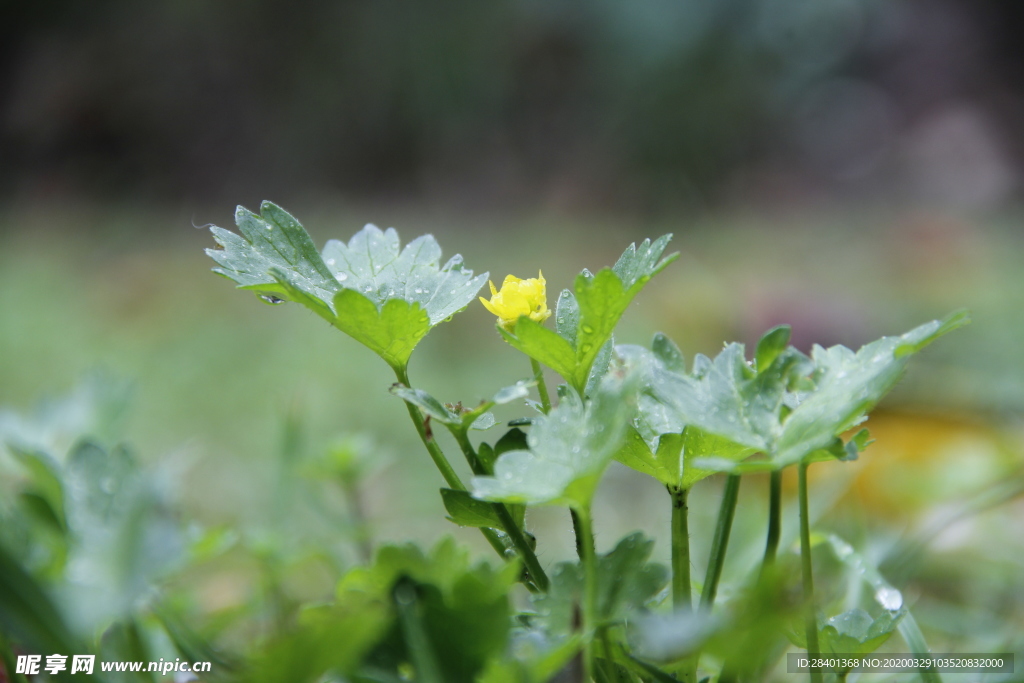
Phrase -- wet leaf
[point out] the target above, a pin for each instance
(568, 451)
(586, 320)
(384, 296)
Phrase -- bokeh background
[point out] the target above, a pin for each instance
(850, 167)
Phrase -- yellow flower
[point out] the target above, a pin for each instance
(518, 298)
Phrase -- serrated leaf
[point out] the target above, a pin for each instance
(585, 321)
(795, 406)
(569, 449)
(848, 385)
(659, 443)
(386, 297)
(626, 582)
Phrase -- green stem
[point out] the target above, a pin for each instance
(911, 633)
(421, 650)
(774, 521)
(588, 558)
(681, 599)
(810, 614)
(509, 525)
(542, 387)
(438, 456)
(720, 542)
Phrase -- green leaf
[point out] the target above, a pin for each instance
(659, 443)
(463, 609)
(384, 296)
(626, 582)
(793, 406)
(122, 530)
(543, 345)
(847, 385)
(772, 343)
(27, 614)
(329, 638)
(45, 477)
(569, 449)
(856, 632)
(465, 510)
(427, 403)
(457, 416)
(567, 316)
(585, 322)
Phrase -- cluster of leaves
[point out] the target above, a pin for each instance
(638, 405)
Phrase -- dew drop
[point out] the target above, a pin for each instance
(341, 277)
(586, 348)
(418, 290)
(330, 262)
(367, 288)
(271, 299)
(588, 329)
(889, 598)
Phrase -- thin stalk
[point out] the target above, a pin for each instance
(720, 542)
(911, 633)
(420, 648)
(357, 515)
(810, 617)
(542, 387)
(509, 526)
(588, 558)
(681, 598)
(774, 521)
(438, 456)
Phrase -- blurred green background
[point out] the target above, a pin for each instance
(848, 167)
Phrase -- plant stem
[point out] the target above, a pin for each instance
(681, 585)
(810, 616)
(681, 599)
(588, 557)
(911, 633)
(542, 387)
(411, 621)
(509, 525)
(774, 520)
(720, 542)
(438, 456)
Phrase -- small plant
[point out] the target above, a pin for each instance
(433, 616)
